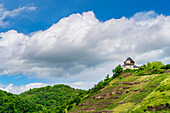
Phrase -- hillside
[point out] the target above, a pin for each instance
(137, 91)
(10, 103)
(146, 89)
(53, 98)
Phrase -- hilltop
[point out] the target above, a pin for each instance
(49, 99)
(53, 98)
(11, 103)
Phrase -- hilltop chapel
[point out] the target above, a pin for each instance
(129, 63)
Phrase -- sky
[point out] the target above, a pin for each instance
(78, 42)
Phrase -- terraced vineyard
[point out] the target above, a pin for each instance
(128, 94)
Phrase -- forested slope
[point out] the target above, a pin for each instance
(10, 103)
(54, 98)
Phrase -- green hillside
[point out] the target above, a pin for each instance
(146, 89)
(55, 98)
(10, 103)
(159, 99)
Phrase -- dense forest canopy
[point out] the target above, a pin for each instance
(10, 103)
(52, 97)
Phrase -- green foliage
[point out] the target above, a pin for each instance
(127, 70)
(60, 98)
(77, 100)
(160, 96)
(54, 98)
(69, 107)
(123, 108)
(150, 68)
(120, 77)
(10, 103)
(133, 98)
(117, 71)
(167, 66)
(132, 70)
(153, 65)
(97, 87)
(100, 85)
(157, 64)
(135, 94)
(107, 80)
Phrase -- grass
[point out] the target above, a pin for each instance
(161, 95)
(111, 87)
(123, 108)
(130, 79)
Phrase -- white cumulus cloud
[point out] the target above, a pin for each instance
(80, 46)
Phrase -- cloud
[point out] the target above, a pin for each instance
(82, 85)
(22, 88)
(4, 13)
(81, 47)
(143, 16)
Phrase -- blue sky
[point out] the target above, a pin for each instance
(49, 12)
(51, 41)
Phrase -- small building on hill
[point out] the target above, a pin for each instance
(129, 63)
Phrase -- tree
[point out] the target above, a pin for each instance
(117, 71)
(106, 80)
(149, 66)
(157, 64)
